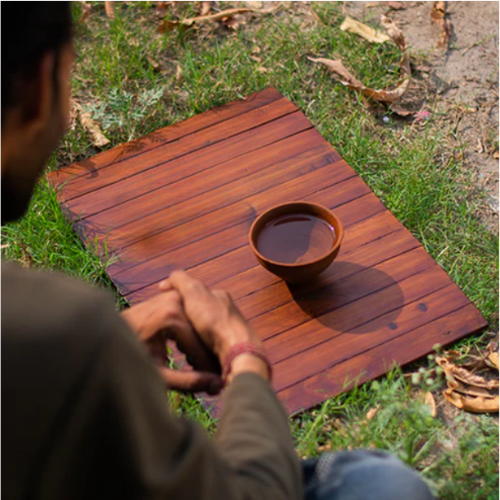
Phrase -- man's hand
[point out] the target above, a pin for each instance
(217, 320)
(161, 318)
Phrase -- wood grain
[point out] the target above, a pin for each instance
(379, 360)
(380, 291)
(238, 271)
(281, 111)
(208, 243)
(158, 180)
(154, 218)
(343, 346)
(162, 137)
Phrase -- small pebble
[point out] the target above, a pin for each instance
(385, 119)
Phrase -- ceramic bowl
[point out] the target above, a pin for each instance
(304, 271)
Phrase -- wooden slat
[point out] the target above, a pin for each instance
(155, 183)
(282, 111)
(377, 361)
(378, 289)
(211, 243)
(332, 288)
(157, 219)
(162, 137)
(239, 273)
(342, 346)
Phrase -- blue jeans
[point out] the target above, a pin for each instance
(362, 475)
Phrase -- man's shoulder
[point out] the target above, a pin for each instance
(44, 306)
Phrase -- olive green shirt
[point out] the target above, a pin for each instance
(84, 413)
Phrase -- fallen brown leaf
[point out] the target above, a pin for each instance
(163, 6)
(371, 413)
(205, 8)
(474, 405)
(99, 139)
(110, 9)
(495, 155)
(154, 64)
(324, 448)
(86, 10)
(397, 37)
(382, 95)
(453, 371)
(430, 402)
(352, 26)
(438, 15)
(493, 357)
(230, 22)
(396, 5)
(178, 74)
(468, 390)
(6, 245)
(218, 16)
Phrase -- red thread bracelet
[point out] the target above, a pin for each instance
(243, 348)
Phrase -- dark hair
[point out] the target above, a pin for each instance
(29, 30)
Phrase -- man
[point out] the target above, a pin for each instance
(84, 410)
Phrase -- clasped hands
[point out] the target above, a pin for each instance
(203, 323)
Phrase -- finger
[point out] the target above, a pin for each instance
(187, 286)
(191, 381)
(199, 355)
(223, 296)
(165, 285)
(158, 349)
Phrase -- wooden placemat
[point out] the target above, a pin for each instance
(185, 197)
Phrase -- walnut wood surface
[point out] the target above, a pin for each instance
(185, 197)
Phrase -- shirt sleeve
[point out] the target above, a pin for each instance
(118, 440)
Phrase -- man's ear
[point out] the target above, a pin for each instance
(39, 97)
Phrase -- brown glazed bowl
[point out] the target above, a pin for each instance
(305, 271)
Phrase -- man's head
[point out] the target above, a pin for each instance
(37, 56)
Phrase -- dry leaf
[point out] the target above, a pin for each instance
(382, 95)
(401, 111)
(153, 63)
(467, 390)
(431, 403)
(396, 5)
(438, 15)
(93, 129)
(371, 413)
(353, 83)
(493, 357)
(218, 16)
(230, 22)
(163, 6)
(261, 69)
(110, 9)
(396, 35)
(495, 155)
(205, 8)
(352, 26)
(325, 448)
(6, 245)
(453, 371)
(86, 9)
(254, 5)
(178, 74)
(474, 405)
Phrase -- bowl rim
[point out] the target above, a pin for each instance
(334, 248)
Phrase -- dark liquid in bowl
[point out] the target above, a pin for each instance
(296, 239)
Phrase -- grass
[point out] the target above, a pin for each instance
(125, 76)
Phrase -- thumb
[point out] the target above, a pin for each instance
(191, 381)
